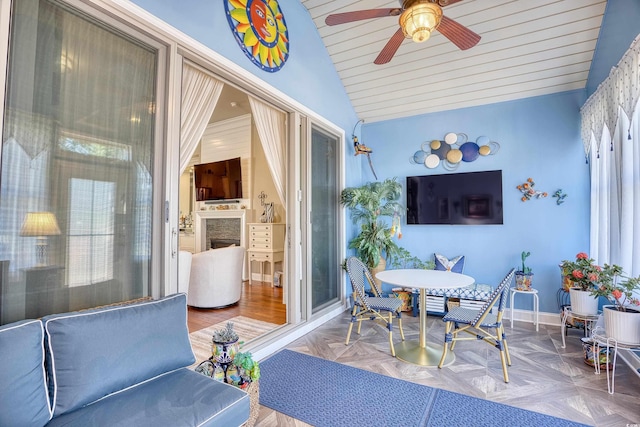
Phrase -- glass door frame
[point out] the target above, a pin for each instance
(308, 125)
(162, 125)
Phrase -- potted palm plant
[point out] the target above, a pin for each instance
(368, 205)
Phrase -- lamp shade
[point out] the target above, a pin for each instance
(40, 224)
(420, 19)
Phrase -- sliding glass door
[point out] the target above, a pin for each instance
(77, 171)
(324, 262)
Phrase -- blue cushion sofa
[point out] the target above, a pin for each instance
(124, 365)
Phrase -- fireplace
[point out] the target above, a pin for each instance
(223, 243)
(219, 228)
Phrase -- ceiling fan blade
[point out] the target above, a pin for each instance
(445, 3)
(358, 15)
(390, 48)
(458, 34)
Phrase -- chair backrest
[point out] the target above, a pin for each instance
(358, 272)
(499, 296)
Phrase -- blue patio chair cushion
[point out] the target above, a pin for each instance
(443, 263)
(23, 397)
(387, 304)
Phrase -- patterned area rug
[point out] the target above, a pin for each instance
(246, 328)
(325, 393)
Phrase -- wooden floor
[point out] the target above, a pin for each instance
(543, 377)
(259, 301)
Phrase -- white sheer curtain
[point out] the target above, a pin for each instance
(200, 94)
(271, 125)
(610, 132)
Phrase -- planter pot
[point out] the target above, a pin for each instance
(623, 326)
(523, 281)
(582, 302)
(382, 265)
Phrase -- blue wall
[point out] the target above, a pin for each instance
(308, 76)
(539, 138)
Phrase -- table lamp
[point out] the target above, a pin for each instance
(40, 225)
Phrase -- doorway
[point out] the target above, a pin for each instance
(232, 132)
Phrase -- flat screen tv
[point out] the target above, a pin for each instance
(218, 180)
(471, 198)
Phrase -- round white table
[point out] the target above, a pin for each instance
(420, 353)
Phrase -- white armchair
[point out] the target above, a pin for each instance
(216, 277)
(184, 271)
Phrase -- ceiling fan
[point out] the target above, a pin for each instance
(418, 18)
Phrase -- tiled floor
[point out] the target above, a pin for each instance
(543, 377)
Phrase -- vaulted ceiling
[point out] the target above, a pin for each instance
(527, 48)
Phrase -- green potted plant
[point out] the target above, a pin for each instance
(368, 204)
(580, 278)
(524, 276)
(248, 369)
(225, 343)
(622, 316)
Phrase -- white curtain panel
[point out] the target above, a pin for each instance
(271, 125)
(610, 131)
(200, 94)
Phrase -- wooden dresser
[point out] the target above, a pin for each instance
(266, 244)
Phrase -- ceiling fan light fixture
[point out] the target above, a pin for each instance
(419, 20)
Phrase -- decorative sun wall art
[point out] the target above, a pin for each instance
(454, 149)
(261, 31)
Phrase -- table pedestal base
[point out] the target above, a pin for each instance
(410, 351)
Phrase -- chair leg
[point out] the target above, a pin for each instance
(506, 347)
(390, 327)
(447, 332)
(504, 366)
(504, 355)
(353, 319)
(400, 326)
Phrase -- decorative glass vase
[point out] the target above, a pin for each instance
(523, 281)
(222, 354)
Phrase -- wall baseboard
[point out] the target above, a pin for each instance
(545, 318)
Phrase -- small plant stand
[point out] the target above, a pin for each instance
(536, 304)
(588, 319)
(600, 339)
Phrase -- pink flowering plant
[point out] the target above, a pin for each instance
(582, 273)
(618, 289)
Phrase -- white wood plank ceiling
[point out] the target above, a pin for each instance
(528, 48)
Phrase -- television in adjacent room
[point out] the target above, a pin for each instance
(220, 180)
(471, 198)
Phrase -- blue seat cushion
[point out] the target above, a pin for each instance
(179, 398)
(455, 264)
(97, 352)
(23, 392)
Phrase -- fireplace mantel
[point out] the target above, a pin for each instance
(201, 226)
